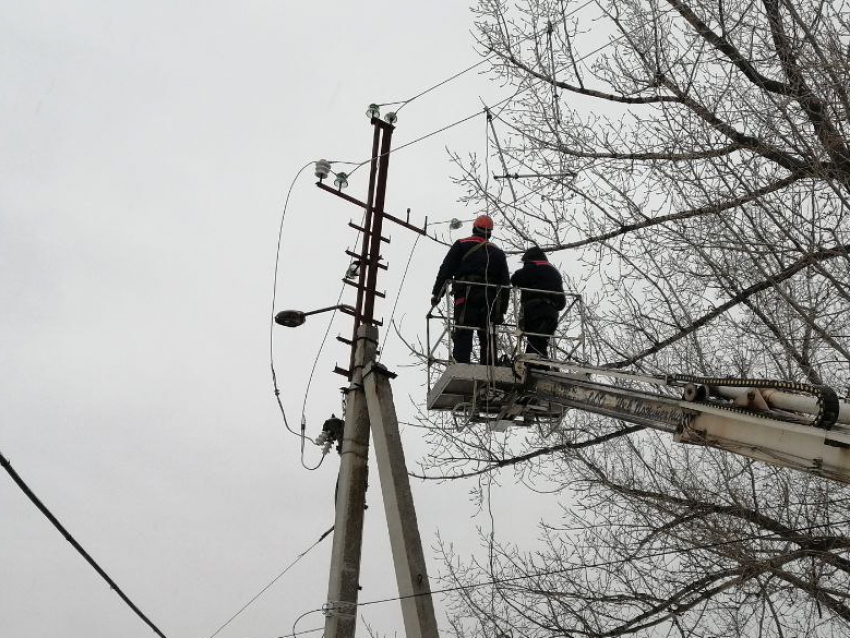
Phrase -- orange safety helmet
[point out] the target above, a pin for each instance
(483, 221)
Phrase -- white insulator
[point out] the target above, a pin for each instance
(373, 111)
(323, 168)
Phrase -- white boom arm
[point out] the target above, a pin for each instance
(770, 421)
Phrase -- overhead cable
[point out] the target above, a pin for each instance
(318, 356)
(310, 382)
(553, 572)
(301, 617)
(274, 299)
(486, 59)
(301, 632)
(398, 295)
(272, 582)
(43, 509)
(504, 101)
(439, 84)
(485, 111)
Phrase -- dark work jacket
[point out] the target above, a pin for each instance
(543, 276)
(486, 264)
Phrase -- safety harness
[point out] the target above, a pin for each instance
(474, 278)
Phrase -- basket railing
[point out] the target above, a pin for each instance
(566, 344)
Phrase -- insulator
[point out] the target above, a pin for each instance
(373, 111)
(323, 168)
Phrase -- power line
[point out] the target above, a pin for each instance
(43, 509)
(503, 103)
(477, 64)
(620, 561)
(498, 581)
(310, 383)
(477, 113)
(508, 99)
(439, 84)
(552, 572)
(446, 127)
(272, 582)
(398, 295)
(304, 615)
(318, 356)
(486, 111)
(420, 139)
(274, 299)
(301, 632)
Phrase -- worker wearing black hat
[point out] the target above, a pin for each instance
(479, 305)
(539, 309)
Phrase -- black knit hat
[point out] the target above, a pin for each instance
(535, 253)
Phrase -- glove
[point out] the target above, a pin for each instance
(435, 301)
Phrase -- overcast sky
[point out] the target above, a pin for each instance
(145, 153)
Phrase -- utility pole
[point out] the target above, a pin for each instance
(370, 407)
(417, 605)
(344, 583)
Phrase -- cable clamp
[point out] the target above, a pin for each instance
(339, 608)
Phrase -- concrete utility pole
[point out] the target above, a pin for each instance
(344, 582)
(417, 606)
(369, 405)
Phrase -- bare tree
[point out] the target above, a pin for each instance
(690, 165)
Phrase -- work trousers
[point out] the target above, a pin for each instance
(474, 316)
(542, 319)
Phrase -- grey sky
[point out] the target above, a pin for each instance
(145, 153)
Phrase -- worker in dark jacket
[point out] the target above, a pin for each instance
(479, 304)
(539, 309)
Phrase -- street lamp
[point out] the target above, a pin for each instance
(294, 318)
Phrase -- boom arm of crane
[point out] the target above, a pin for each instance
(793, 425)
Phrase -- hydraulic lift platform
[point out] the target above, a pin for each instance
(498, 395)
(492, 394)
